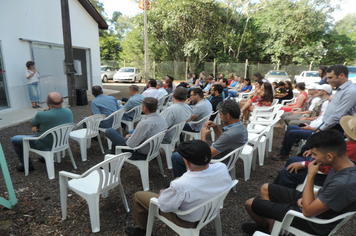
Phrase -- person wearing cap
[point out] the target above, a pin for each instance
(233, 136)
(344, 101)
(203, 181)
(337, 196)
(296, 168)
(306, 109)
(319, 107)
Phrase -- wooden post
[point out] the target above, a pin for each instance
(124, 63)
(278, 65)
(154, 69)
(146, 43)
(310, 65)
(68, 53)
(246, 64)
(186, 71)
(214, 68)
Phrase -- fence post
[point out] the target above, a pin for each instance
(154, 69)
(310, 66)
(214, 68)
(278, 65)
(186, 71)
(124, 63)
(246, 64)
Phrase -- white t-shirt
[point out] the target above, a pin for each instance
(313, 103)
(161, 92)
(194, 188)
(151, 92)
(324, 105)
(34, 78)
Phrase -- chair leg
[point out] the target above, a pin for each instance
(159, 159)
(58, 157)
(71, 157)
(261, 152)
(50, 165)
(26, 157)
(218, 224)
(270, 141)
(253, 163)
(168, 151)
(123, 198)
(109, 143)
(83, 149)
(93, 204)
(233, 176)
(100, 144)
(63, 195)
(247, 166)
(151, 218)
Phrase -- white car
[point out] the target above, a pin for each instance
(107, 72)
(277, 76)
(308, 77)
(128, 74)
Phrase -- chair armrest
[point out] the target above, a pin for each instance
(127, 147)
(79, 124)
(108, 156)
(69, 175)
(31, 138)
(291, 214)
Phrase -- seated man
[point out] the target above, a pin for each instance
(176, 113)
(296, 168)
(161, 91)
(224, 82)
(151, 90)
(337, 195)
(234, 136)
(149, 126)
(51, 117)
(202, 181)
(103, 104)
(201, 109)
(134, 101)
(216, 97)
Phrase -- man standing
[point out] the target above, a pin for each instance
(216, 97)
(151, 90)
(160, 90)
(53, 116)
(344, 101)
(337, 196)
(103, 104)
(201, 109)
(176, 113)
(149, 126)
(202, 182)
(134, 101)
(234, 136)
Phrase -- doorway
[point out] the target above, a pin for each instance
(4, 102)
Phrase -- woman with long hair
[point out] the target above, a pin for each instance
(265, 98)
(169, 86)
(258, 85)
(245, 89)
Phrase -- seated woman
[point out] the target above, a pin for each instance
(234, 83)
(258, 91)
(264, 99)
(245, 89)
(169, 86)
(287, 91)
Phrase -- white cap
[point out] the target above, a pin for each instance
(325, 87)
(312, 86)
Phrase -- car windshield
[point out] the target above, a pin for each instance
(352, 70)
(103, 68)
(312, 74)
(126, 70)
(278, 73)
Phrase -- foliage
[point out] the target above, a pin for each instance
(347, 26)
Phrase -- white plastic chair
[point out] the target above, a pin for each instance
(60, 136)
(301, 187)
(116, 123)
(195, 135)
(287, 102)
(216, 120)
(231, 161)
(169, 147)
(95, 181)
(161, 102)
(137, 117)
(211, 212)
(288, 218)
(154, 143)
(84, 136)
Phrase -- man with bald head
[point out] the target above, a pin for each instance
(51, 117)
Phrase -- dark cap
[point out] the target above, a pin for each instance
(195, 151)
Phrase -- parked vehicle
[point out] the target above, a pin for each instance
(277, 76)
(308, 77)
(107, 72)
(128, 74)
(352, 73)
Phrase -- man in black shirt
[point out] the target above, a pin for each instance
(216, 97)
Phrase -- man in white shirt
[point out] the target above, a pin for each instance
(161, 91)
(203, 181)
(151, 90)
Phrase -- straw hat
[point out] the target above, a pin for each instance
(348, 123)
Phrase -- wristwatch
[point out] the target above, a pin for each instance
(303, 164)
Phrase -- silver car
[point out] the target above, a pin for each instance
(107, 72)
(277, 76)
(128, 74)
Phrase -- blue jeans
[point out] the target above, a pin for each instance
(233, 93)
(293, 133)
(118, 140)
(18, 146)
(34, 92)
(292, 180)
(178, 165)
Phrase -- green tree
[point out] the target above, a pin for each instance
(347, 26)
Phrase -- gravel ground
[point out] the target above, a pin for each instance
(38, 211)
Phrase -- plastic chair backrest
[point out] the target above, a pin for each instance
(232, 157)
(92, 123)
(138, 111)
(116, 123)
(204, 119)
(177, 129)
(108, 171)
(161, 101)
(155, 143)
(60, 136)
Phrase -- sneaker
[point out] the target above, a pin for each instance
(22, 168)
(135, 231)
(251, 228)
(280, 157)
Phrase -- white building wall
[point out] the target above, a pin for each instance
(41, 22)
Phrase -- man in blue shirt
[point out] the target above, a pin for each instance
(134, 101)
(103, 104)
